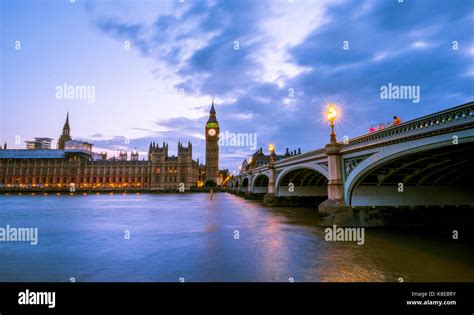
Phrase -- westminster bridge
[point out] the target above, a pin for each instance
(425, 162)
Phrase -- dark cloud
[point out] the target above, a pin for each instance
(133, 32)
(406, 43)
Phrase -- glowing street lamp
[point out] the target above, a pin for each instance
(331, 115)
(271, 147)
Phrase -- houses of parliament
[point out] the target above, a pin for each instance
(73, 166)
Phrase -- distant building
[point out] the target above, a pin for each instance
(123, 156)
(102, 156)
(77, 145)
(75, 165)
(66, 135)
(260, 159)
(168, 172)
(39, 144)
(223, 177)
(134, 155)
(30, 145)
(59, 169)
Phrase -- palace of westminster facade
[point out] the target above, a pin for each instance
(73, 166)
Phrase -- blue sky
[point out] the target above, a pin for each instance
(291, 60)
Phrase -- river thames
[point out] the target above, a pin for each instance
(188, 237)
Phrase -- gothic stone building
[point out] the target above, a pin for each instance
(212, 146)
(82, 170)
(168, 172)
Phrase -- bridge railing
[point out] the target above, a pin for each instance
(302, 156)
(453, 116)
(290, 159)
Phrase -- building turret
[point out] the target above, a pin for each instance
(123, 156)
(158, 154)
(134, 155)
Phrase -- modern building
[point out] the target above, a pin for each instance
(75, 165)
(78, 145)
(39, 144)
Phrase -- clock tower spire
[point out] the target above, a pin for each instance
(212, 147)
(66, 135)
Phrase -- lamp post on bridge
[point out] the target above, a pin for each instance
(248, 193)
(334, 210)
(335, 186)
(269, 197)
(271, 167)
(271, 148)
(332, 115)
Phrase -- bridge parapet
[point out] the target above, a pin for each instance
(448, 119)
(301, 157)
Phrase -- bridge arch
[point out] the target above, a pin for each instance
(433, 171)
(245, 184)
(260, 184)
(307, 180)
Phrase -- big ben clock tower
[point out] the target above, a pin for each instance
(212, 148)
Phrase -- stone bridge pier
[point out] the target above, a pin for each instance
(334, 210)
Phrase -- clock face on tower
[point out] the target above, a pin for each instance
(211, 132)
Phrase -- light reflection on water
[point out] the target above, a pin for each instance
(190, 236)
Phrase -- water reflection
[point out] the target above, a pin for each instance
(191, 236)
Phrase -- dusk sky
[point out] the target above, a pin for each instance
(271, 66)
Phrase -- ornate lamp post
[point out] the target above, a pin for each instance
(331, 115)
(271, 148)
(268, 198)
(334, 210)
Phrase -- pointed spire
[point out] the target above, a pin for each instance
(66, 128)
(213, 110)
(5, 146)
(66, 124)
